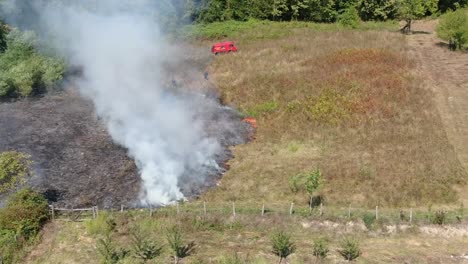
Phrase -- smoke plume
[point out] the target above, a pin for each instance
(123, 53)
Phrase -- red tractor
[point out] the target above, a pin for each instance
(223, 47)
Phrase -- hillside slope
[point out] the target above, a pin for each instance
(446, 74)
(346, 102)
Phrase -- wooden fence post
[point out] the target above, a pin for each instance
(94, 212)
(377, 212)
(263, 209)
(121, 208)
(411, 216)
(151, 210)
(321, 209)
(291, 209)
(349, 211)
(53, 214)
(233, 209)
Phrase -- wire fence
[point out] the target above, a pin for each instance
(320, 212)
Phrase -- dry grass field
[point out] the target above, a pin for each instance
(217, 238)
(346, 102)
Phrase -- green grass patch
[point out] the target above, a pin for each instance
(263, 29)
(262, 109)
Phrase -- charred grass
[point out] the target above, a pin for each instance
(346, 102)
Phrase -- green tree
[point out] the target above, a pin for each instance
(349, 17)
(377, 9)
(14, 167)
(410, 10)
(350, 249)
(313, 182)
(320, 248)
(453, 27)
(282, 245)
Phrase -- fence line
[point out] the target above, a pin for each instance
(320, 212)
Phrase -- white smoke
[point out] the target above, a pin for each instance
(123, 51)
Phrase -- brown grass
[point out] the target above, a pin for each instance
(350, 105)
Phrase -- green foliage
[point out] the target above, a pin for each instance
(104, 224)
(453, 27)
(20, 221)
(410, 10)
(446, 5)
(377, 9)
(110, 254)
(313, 181)
(439, 217)
(349, 17)
(145, 249)
(25, 213)
(329, 107)
(14, 167)
(282, 245)
(23, 71)
(349, 248)
(296, 182)
(368, 220)
(262, 109)
(178, 248)
(320, 248)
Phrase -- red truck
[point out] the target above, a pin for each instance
(223, 47)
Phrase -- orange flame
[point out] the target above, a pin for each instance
(251, 121)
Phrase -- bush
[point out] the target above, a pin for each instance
(320, 248)
(349, 249)
(23, 71)
(282, 245)
(453, 27)
(179, 250)
(145, 249)
(26, 212)
(14, 167)
(109, 253)
(439, 218)
(20, 221)
(368, 220)
(349, 18)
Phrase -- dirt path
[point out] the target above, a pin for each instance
(446, 73)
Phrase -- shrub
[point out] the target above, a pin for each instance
(23, 71)
(145, 249)
(178, 248)
(439, 217)
(349, 249)
(349, 18)
(109, 253)
(295, 183)
(26, 212)
(14, 167)
(282, 245)
(320, 248)
(453, 27)
(368, 220)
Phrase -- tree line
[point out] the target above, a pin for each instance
(207, 11)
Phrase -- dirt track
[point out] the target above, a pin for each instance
(446, 74)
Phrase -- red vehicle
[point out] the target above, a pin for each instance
(223, 47)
